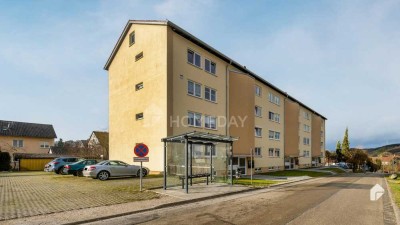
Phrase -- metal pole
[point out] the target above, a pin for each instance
(141, 167)
(191, 163)
(186, 166)
(231, 159)
(251, 166)
(211, 161)
(165, 165)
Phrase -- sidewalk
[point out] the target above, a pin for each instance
(168, 198)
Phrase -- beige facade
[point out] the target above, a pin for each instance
(29, 145)
(172, 69)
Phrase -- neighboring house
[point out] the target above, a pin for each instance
(21, 137)
(163, 81)
(98, 142)
(82, 143)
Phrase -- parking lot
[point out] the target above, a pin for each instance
(24, 194)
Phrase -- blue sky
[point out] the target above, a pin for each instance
(342, 58)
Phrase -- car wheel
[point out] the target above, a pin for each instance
(79, 173)
(103, 175)
(60, 171)
(75, 174)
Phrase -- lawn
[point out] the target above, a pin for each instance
(295, 173)
(395, 188)
(256, 182)
(336, 170)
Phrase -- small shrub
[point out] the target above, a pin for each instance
(5, 160)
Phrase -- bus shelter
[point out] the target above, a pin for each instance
(195, 155)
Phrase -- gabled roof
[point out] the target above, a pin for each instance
(102, 136)
(22, 129)
(204, 45)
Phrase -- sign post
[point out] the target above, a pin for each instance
(141, 151)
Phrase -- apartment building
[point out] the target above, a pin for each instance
(163, 81)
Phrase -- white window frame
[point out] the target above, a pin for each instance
(306, 141)
(256, 133)
(274, 117)
(257, 151)
(306, 115)
(211, 63)
(194, 58)
(274, 135)
(211, 90)
(258, 109)
(274, 99)
(196, 86)
(259, 92)
(306, 128)
(19, 143)
(208, 119)
(271, 152)
(44, 144)
(195, 119)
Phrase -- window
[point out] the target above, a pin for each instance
(257, 151)
(210, 149)
(44, 145)
(257, 90)
(306, 141)
(194, 119)
(322, 144)
(139, 56)
(258, 131)
(194, 89)
(275, 117)
(210, 66)
(271, 152)
(307, 128)
(139, 116)
(306, 115)
(277, 135)
(132, 38)
(210, 94)
(139, 86)
(274, 135)
(277, 152)
(18, 143)
(274, 99)
(210, 122)
(193, 58)
(258, 111)
(306, 153)
(271, 134)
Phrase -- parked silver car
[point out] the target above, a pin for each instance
(113, 168)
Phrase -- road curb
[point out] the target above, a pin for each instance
(184, 202)
(394, 206)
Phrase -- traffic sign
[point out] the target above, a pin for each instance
(140, 159)
(141, 150)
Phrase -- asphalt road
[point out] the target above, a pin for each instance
(331, 200)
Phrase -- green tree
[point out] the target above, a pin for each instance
(339, 155)
(60, 143)
(346, 144)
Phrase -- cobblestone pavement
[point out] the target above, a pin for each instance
(24, 194)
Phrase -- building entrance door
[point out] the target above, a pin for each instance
(239, 163)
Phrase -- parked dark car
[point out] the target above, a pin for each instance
(57, 165)
(77, 167)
